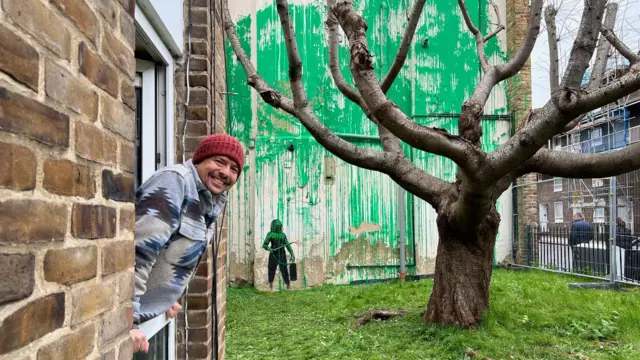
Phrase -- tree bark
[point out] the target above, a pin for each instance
(463, 273)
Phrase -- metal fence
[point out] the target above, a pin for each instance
(587, 227)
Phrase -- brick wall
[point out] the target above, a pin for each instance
(519, 90)
(205, 114)
(66, 188)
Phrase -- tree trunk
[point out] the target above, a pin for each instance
(463, 273)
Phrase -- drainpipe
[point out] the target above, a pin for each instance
(401, 241)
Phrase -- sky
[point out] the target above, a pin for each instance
(568, 19)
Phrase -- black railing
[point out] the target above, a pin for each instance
(584, 250)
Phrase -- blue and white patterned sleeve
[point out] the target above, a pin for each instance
(158, 204)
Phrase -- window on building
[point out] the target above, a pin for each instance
(557, 184)
(154, 140)
(596, 137)
(598, 215)
(597, 183)
(558, 212)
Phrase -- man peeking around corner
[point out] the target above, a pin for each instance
(174, 209)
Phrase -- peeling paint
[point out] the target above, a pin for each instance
(352, 219)
(364, 227)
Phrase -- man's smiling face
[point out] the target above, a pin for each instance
(218, 173)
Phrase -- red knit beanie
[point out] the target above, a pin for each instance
(220, 144)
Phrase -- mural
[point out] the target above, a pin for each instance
(342, 220)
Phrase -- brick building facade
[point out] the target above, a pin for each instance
(72, 148)
(519, 90)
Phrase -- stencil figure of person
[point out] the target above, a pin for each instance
(277, 256)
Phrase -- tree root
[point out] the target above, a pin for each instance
(377, 314)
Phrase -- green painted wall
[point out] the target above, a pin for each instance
(353, 220)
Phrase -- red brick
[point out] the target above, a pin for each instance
(118, 187)
(200, 32)
(128, 94)
(115, 324)
(118, 256)
(199, 79)
(127, 156)
(199, 302)
(16, 276)
(97, 70)
(128, 28)
(81, 14)
(94, 144)
(200, 16)
(197, 64)
(127, 220)
(199, 113)
(19, 59)
(63, 87)
(200, 335)
(31, 221)
(109, 355)
(200, 285)
(119, 53)
(200, 48)
(24, 116)
(74, 346)
(197, 319)
(107, 8)
(93, 221)
(45, 26)
(71, 265)
(31, 322)
(126, 286)
(64, 177)
(126, 350)
(17, 167)
(90, 301)
(129, 6)
(118, 118)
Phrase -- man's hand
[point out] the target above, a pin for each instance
(140, 342)
(174, 310)
(293, 258)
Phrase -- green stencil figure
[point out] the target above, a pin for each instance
(277, 257)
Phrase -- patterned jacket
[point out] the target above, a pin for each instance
(173, 212)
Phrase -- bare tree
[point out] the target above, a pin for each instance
(467, 218)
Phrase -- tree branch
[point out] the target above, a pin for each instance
(602, 54)
(619, 45)
(624, 85)
(476, 33)
(500, 24)
(295, 64)
(401, 56)
(432, 140)
(553, 117)
(554, 69)
(334, 65)
(571, 165)
(516, 63)
(582, 50)
(394, 164)
(389, 141)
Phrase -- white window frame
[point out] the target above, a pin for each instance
(598, 218)
(597, 182)
(151, 103)
(158, 106)
(557, 219)
(557, 184)
(153, 326)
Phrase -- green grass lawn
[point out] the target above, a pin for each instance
(533, 315)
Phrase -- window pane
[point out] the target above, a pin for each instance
(158, 347)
